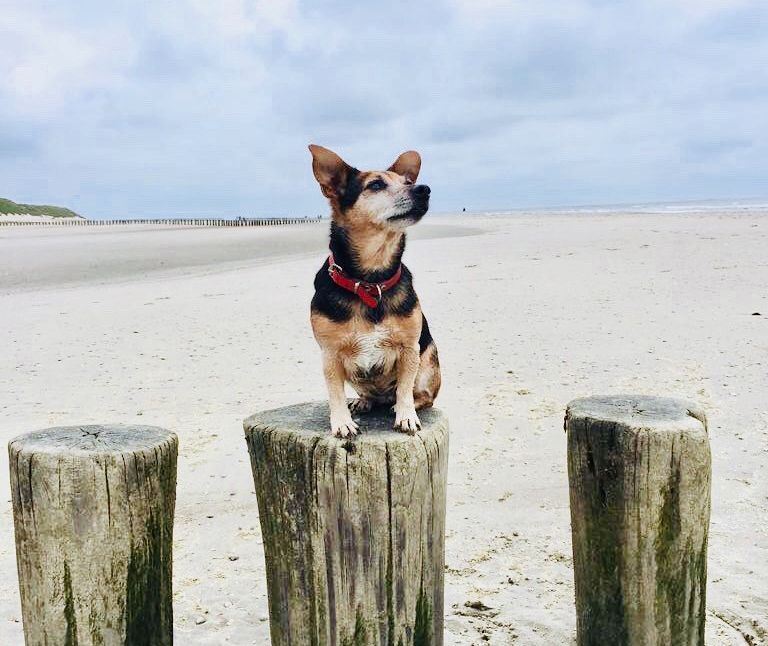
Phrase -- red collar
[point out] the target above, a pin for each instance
(369, 293)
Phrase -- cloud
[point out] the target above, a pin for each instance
(44, 64)
(139, 108)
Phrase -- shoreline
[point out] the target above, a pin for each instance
(69, 257)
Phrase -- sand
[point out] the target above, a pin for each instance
(193, 329)
(27, 217)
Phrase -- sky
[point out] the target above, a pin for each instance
(201, 107)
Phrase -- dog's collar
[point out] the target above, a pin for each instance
(369, 293)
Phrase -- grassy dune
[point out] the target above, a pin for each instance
(7, 207)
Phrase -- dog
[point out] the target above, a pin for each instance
(365, 314)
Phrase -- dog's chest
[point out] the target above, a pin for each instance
(372, 350)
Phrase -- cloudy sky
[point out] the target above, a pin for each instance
(162, 108)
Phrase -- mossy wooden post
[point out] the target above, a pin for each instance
(353, 529)
(639, 472)
(93, 509)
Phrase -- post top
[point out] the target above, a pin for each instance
(639, 411)
(310, 419)
(92, 439)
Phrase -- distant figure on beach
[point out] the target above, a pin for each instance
(464, 209)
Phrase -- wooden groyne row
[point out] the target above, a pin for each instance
(190, 222)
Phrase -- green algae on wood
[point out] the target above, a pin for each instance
(422, 624)
(360, 636)
(353, 530)
(639, 473)
(70, 636)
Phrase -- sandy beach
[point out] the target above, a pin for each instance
(193, 329)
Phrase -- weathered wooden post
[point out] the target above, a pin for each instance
(353, 529)
(93, 510)
(639, 472)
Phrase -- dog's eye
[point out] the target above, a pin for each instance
(376, 185)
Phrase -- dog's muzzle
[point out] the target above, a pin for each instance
(420, 204)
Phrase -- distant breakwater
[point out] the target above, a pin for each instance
(190, 222)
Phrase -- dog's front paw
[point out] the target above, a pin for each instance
(360, 405)
(343, 426)
(407, 421)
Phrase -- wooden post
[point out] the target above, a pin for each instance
(639, 473)
(93, 510)
(353, 529)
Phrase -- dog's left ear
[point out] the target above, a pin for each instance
(330, 170)
(407, 165)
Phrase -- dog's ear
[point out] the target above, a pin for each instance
(407, 165)
(330, 170)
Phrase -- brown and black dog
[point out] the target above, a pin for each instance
(366, 316)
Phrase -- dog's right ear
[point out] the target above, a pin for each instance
(408, 165)
(330, 170)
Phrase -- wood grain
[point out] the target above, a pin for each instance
(93, 512)
(639, 472)
(353, 529)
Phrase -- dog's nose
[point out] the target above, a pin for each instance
(422, 190)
